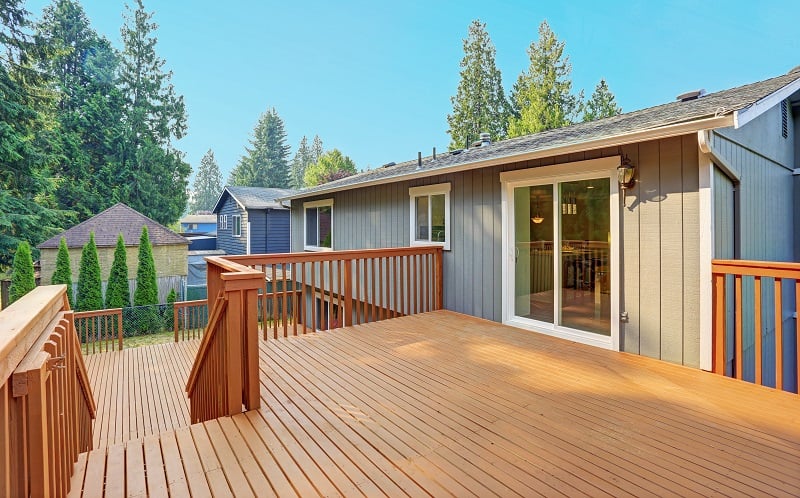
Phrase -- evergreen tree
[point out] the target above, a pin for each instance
(316, 149)
(63, 273)
(601, 104)
(480, 103)
(169, 311)
(542, 97)
(27, 208)
(302, 159)
(333, 165)
(265, 163)
(146, 285)
(207, 184)
(23, 279)
(118, 295)
(152, 175)
(90, 285)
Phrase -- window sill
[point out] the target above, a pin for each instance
(317, 248)
(443, 245)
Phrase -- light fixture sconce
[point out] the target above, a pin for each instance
(625, 174)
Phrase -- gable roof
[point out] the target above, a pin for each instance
(733, 107)
(199, 218)
(254, 197)
(108, 224)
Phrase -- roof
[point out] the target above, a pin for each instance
(255, 197)
(107, 225)
(199, 218)
(733, 107)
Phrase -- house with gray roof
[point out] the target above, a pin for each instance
(250, 220)
(600, 232)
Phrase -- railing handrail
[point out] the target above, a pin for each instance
(185, 304)
(301, 257)
(216, 315)
(95, 313)
(756, 268)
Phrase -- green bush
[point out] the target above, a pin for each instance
(146, 286)
(117, 293)
(90, 289)
(169, 310)
(63, 273)
(22, 276)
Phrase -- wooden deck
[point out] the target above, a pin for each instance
(446, 404)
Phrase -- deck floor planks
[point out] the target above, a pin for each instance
(446, 404)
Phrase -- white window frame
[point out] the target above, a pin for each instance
(233, 225)
(223, 222)
(316, 205)
(429, 190)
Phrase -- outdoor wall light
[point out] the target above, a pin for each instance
(625, 174)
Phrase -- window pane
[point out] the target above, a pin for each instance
(311, 227)
(437, 218)
(325, 228)
(237, 225)
(421, 232)
(533, 252)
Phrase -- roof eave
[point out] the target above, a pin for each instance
(677, 129)
(743, 116)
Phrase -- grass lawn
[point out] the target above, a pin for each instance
(148, 339)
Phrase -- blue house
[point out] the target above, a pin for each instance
(251, 221)
(199, 223)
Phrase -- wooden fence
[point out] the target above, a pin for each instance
(46, 404)
(755, 322)
(99, 331)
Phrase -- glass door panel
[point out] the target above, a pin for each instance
(585, 301)
(533, 250)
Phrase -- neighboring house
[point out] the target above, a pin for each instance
(169, 249)
(538, 234)
(199, 223)
(251, 221)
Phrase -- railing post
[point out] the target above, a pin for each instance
(119, 329)
(439, 278)
(251, 379)
(233, 350)
(718, 324)
(348, 292)
(38, 433)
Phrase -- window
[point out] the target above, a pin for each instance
(318, 225)
(430, 215)
(237, 225)
(223, 222)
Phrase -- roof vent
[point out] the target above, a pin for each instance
(388, 165)
(486, 139)
(794, 70)
(693, 95)
(457, 151)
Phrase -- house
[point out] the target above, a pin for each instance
(199, 223)
(250, 220)
(543, 232)
(169, 248)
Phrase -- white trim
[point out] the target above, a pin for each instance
(247, 250)
(233, 225)
(744, 116)
(611, 141)
(429, 190)
(578, 170)
(706, 214)
(312, 205)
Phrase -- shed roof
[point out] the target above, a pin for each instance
(254, 197)
(108, 224)
(199, 218)
(732, 107)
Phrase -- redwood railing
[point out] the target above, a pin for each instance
(46, 403)
(224, 377)
(306, 292)
(755, 322)
(190, 318)
(100, 330)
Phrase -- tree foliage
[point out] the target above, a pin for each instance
(302, 159)
(480, 103)
(118, 294)
(333, 165)
(23, 279)
(90, 284)
(601, 104)
(265, 162)
(542, 97)
(63, 273)
(207, 185)
(146, 285)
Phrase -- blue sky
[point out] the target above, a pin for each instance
(374, 79)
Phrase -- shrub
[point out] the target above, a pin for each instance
(146, 286)
(90, 290)
(117, 293)
(169, 310)
(63, 273)
(22, 276)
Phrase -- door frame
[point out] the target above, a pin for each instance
(577, 170)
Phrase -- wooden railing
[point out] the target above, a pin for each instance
(99, 331)
(190, 319)
(306, 292)
(755, 312)
(224, 377)
(46, 403)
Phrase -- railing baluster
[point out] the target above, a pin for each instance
(778, 334)
(757, 328)
(738, 346)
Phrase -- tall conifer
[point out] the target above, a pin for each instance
(23, 279)
(265, 163)
(601, 104)
(118, 294)
(63, 273)
(90, 285)
(207, 184)
(146, 285)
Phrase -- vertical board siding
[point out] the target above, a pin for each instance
(225, 239)
(660, 251)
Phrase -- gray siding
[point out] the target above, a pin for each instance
(660, 241)
(278, 232)
(225, 239)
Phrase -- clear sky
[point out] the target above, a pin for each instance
(374, 79)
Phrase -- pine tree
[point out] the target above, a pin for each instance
(169, 311)
(63, 273)
(152, 176)
(333, 165)
(265, 163)
(542, 97)
(480, 103)
(601, 104)
(146, 286)
(23, 279)
(118, 294)
(302, 159)
(316, 149)
(90, 285)
(207, 184)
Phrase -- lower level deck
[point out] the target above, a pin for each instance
(447, 404)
